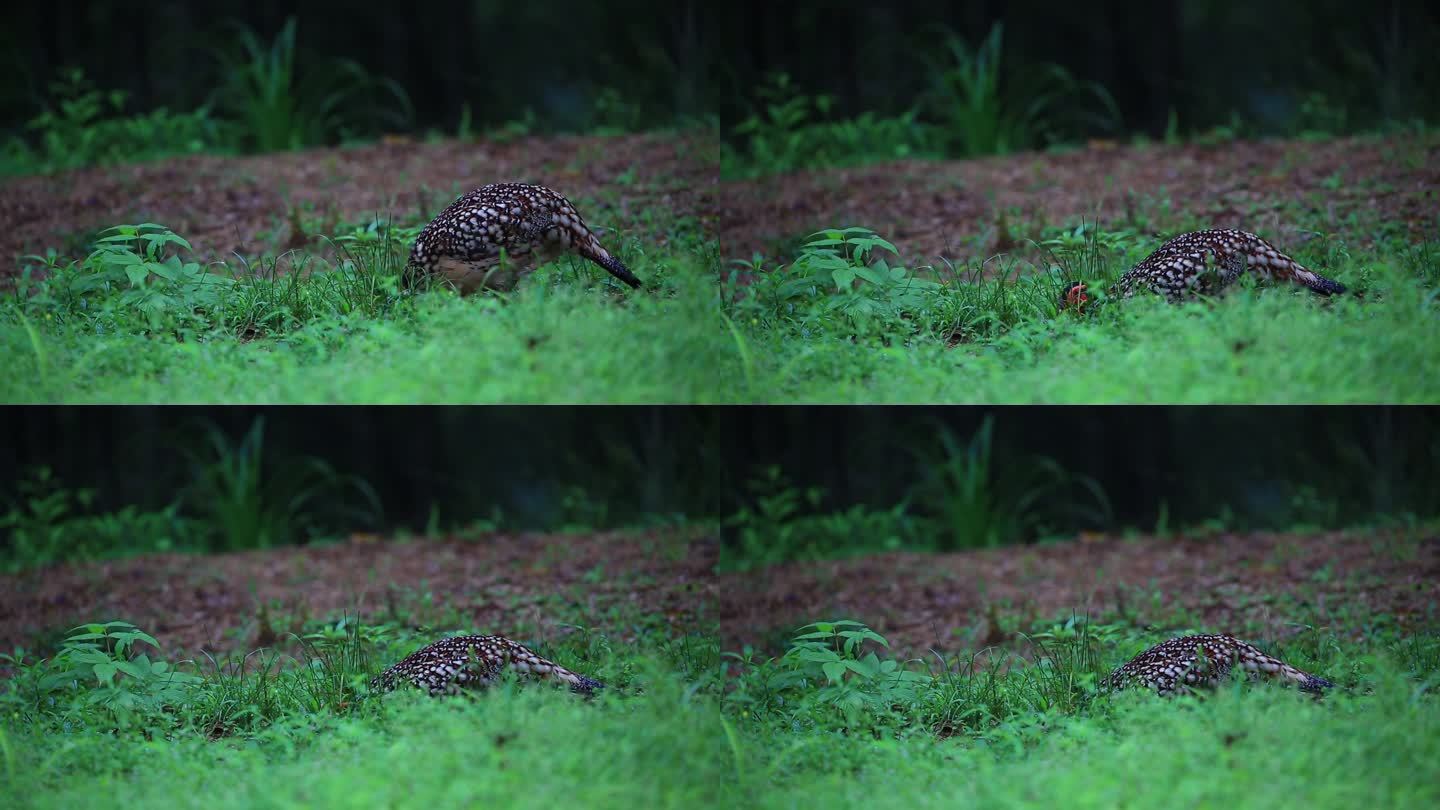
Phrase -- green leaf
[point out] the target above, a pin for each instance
(870, 275)
(865, 668)
(89, 657)
(834, 670)
(171, 273)
(817, 656)
(141, 635)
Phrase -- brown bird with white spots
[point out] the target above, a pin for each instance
(1184, 663)
(451, 664)
(1207, 262)
(530, 225)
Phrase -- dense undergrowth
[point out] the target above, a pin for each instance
(976, 98)
(832, 722)
(269, 96)
(834, 718)
(239, 495)
(106, 711)
(976, 103)
(844, 322)
(136, 320)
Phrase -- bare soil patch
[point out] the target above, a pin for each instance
(249, 205)
(193, 603)
(920, 602)
(950, 602)
(953, 209)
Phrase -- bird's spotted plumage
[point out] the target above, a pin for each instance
(451, 664)
(530, 224)
(1188, 662)
(1208, 261)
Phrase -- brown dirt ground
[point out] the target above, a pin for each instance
(499, 583)
(230, 205)
(951, 602)
(920, 602)
(951, 209)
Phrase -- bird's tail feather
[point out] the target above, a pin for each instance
(1319, 283)
(592, 250)
(617, 269)
(1309, 278)
(577, 682)
(1306, 681)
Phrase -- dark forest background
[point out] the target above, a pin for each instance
(644, 63)
(438, 469)
(569, 64)
(1275, 64)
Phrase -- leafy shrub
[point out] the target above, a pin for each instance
(245, 503)
(834, 676)
(971, 502)
(83, 126)
(48, 523)
(962, 500)
(279, 105)
(827, 679)
(985, 106)
(612, 113)
(976, 105)
(235, 500)
(98, 678)
(784, 523)
(130, 280)
(796, 131)
(838, 280)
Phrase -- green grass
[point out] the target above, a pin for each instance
(1255, 749)
(514, 750)
(837, 324)
(1032, 736)
(1038, 736)
(137, 321)
(837, 718)
(841, 324)
(310, 734)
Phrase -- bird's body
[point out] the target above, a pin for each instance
(1208, 261)
(1187, 662)
(531, 225)
(451, 664)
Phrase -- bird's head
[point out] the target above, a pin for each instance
(1074, 297)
